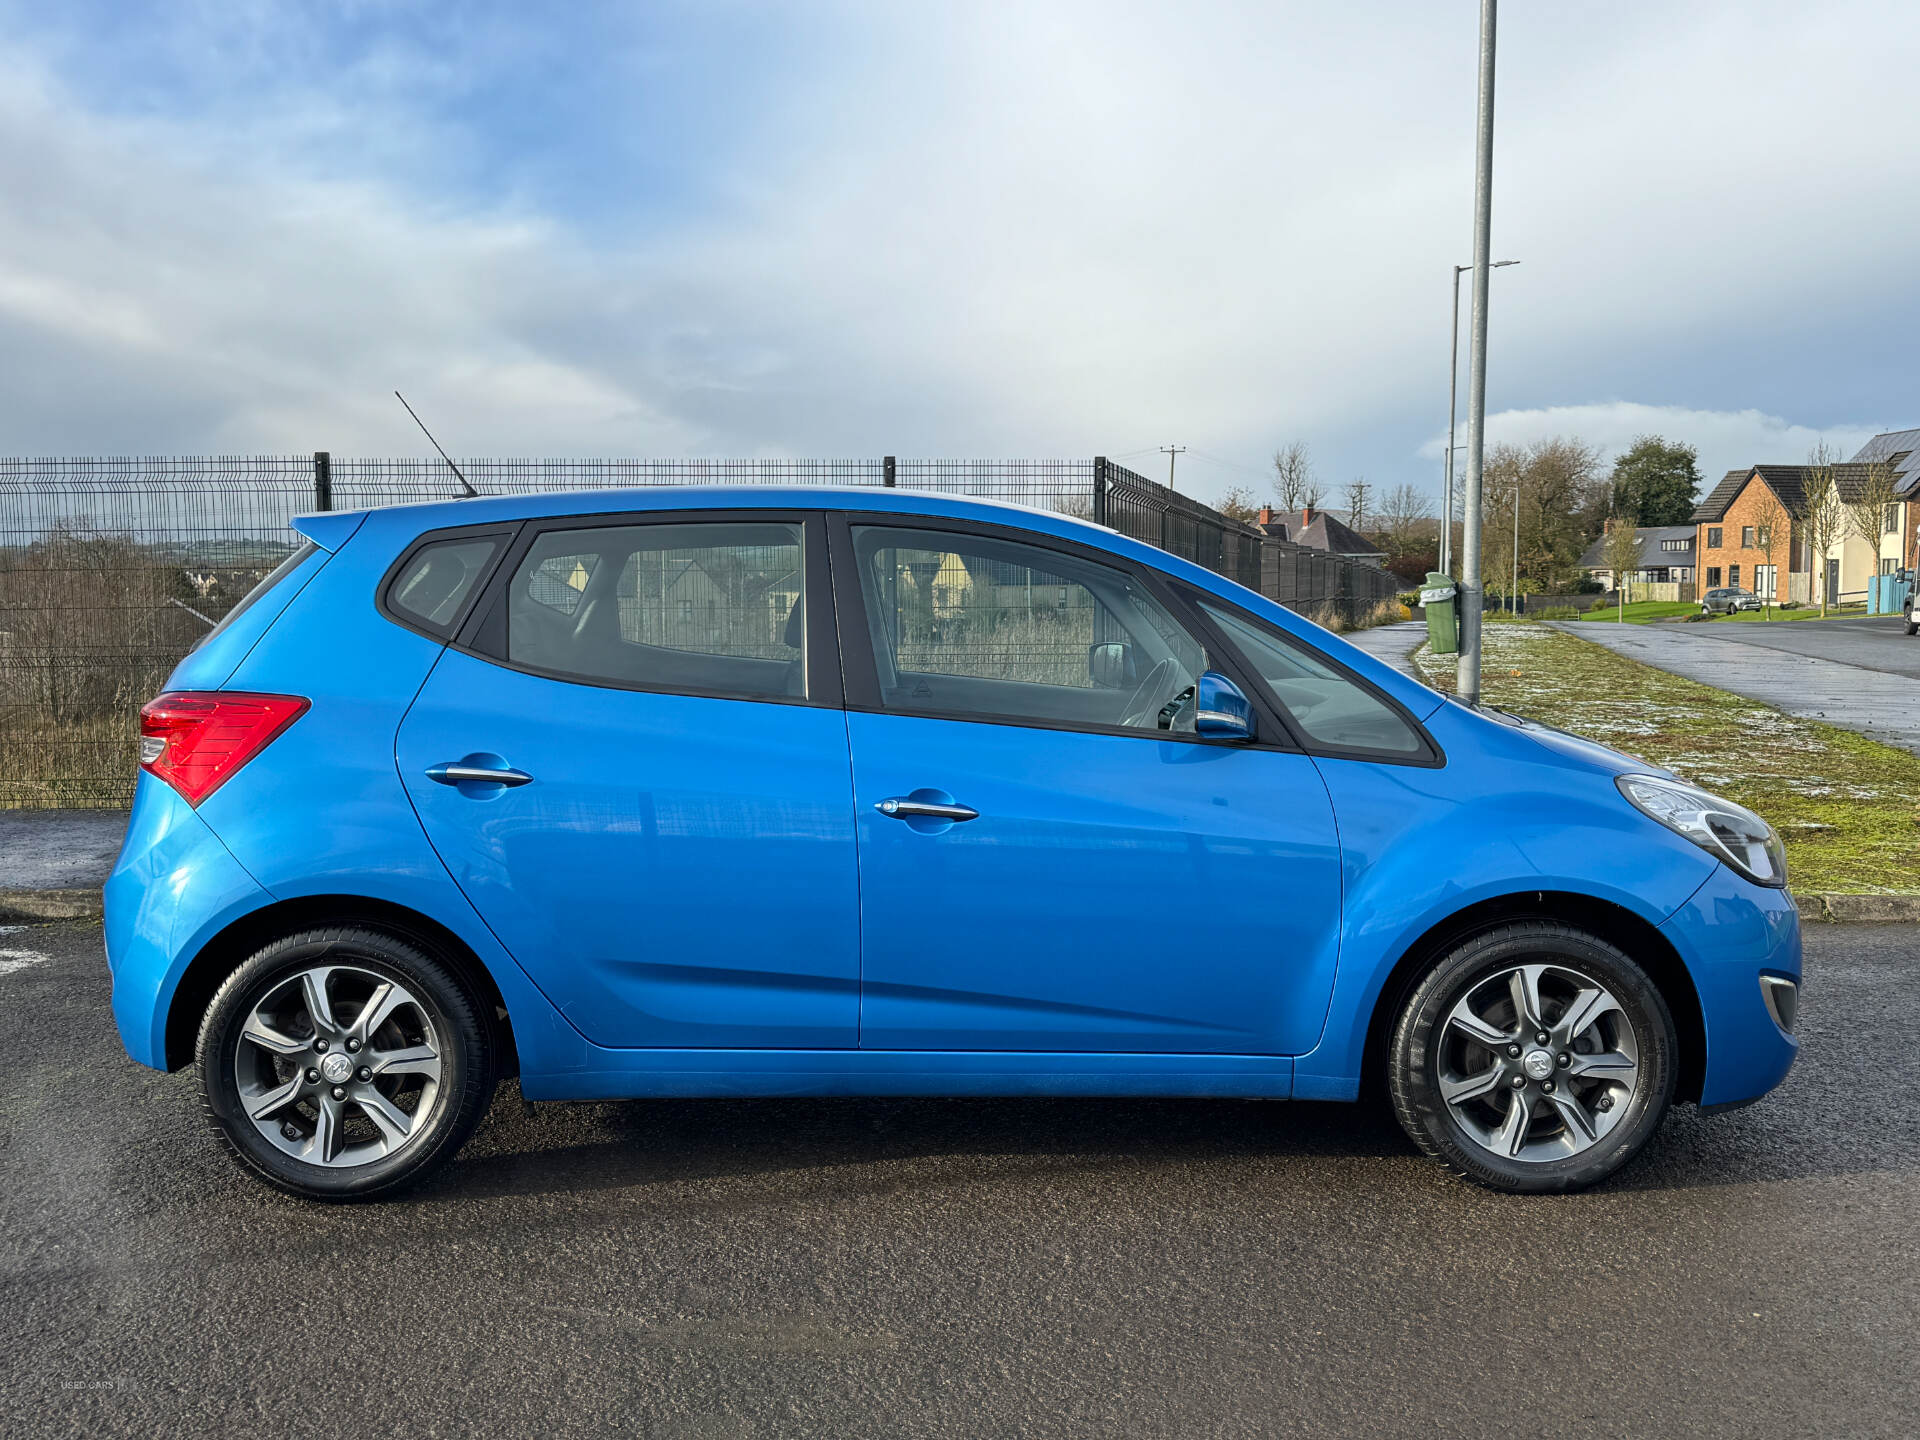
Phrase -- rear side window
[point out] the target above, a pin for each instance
(1329, 706)
(700, 609)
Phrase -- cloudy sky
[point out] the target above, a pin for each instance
(719, 228)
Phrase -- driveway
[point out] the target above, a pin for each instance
(853, 1268)
(1858, 674)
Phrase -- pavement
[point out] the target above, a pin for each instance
(1393, 643)
(53, 862)
(854, 1268)
(1858, 674)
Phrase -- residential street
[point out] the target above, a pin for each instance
(1857, 674)
(965, 1268)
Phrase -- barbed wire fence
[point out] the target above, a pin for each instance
(111, 568)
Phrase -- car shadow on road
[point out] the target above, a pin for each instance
(537, 1149)
(546, 1149)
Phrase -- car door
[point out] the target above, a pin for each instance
(1050, 859)
(635, 766)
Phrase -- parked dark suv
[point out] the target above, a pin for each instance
(1728, 599)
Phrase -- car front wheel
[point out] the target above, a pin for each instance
(1532, 1058)
(343, 1064)
(1913, 627)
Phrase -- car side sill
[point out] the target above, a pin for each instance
(717, 1074)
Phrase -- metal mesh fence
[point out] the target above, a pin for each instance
(110, 569)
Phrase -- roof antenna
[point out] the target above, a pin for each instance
(472, 494)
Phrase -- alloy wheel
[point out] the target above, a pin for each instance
(338, 1066)
(1537, 1062)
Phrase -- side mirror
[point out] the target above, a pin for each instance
(1110, 665)
(1221, 711)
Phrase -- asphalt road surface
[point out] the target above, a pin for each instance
(1877, 642)
(965, 1268)
(1857, 674)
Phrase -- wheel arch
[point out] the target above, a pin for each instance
(1617, 925)
(227, 950)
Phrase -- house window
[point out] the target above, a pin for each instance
(1676, 544)
(1888, 564)
(1890, 522)
(1765, 580)
(1714, 537)
(1746, 537)
(1733, 576)
(1713, 577)
(1763, 537)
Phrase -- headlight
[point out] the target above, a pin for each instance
(1723, 829)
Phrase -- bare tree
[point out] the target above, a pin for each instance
(1238, 504)
(1357, 501)
(1869, 506)
(1773, 530)
(1293, 479)
(1826, 521)
(1622, 554)
(1405, 515)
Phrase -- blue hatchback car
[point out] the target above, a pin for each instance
(753, 792)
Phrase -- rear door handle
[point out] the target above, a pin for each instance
(900, 807)
(454, 773)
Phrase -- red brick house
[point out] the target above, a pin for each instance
(1741, 542)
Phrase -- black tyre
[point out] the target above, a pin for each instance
(1912, 628)
(1478, 1087)
(343, 1064)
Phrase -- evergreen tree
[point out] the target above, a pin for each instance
(1655, 482)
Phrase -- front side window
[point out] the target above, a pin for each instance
(705, 609)
(1746, 537)
(966, 625)
(1330, 707)
(1713, 537)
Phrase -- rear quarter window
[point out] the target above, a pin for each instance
(430, 589)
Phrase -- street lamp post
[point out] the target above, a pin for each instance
(1453, 387)
(1467, 673)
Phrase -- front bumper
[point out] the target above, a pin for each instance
(173, 888)
(1730, 934)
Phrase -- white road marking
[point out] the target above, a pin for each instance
(12, 960)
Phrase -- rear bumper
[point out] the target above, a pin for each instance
(174, 885)
(1730, 934)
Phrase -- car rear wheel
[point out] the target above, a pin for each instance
(1533, 1058)
(343, 1064)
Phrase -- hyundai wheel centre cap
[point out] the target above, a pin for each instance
(339, 1065)
(1539, 1064)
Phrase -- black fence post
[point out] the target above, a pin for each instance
(322, 480)
(1099, 489)
(886, 471)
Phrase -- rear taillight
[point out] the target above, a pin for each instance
(197, 740)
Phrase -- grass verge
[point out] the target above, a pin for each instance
(1845, 805)
(1640, 612)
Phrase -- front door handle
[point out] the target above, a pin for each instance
(903, 807)
(453, 773)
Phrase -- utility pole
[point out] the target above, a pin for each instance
(1172, 452)
(1467, 673)
(1356, 502)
